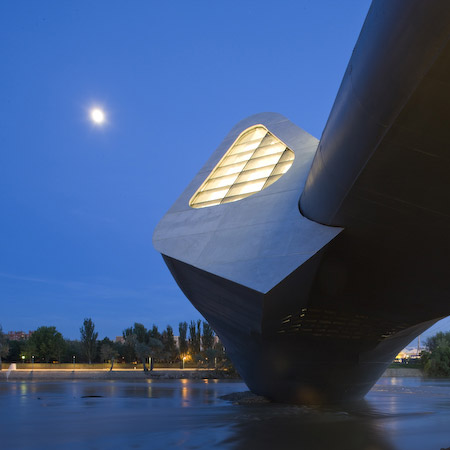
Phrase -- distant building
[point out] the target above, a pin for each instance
(18, 335)
(408, 353)
(120, 339)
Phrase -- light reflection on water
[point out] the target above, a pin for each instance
(398, 414)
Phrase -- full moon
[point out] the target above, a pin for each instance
(97, 116)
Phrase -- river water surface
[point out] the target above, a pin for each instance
(398, 414)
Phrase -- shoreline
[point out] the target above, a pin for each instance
(136, 374)
(106, 374)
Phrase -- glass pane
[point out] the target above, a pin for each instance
(245, 147)
(256, 174)
(220, 182)
(255, 161)
(269, 140)
(269, 150)
(256, 133)
(281, 168)
(245, 188)
(261, 162)
(228, 170)
(234, 198)
(244, 156)
(206, 196)
(288, 155)
(271, 180)
(205, 204)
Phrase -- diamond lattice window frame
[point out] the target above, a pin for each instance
(255, 160)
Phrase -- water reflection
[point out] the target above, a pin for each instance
(398, 415)
(293, 427)
(184, 393)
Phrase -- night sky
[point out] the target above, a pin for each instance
(79, 201)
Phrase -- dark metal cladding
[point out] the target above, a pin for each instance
(313, 307)
(382, 169)
(397, 77)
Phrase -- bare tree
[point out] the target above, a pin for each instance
(108, 353)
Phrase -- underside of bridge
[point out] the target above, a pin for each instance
(317, 261)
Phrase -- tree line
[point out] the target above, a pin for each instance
(196, 343)
(436, 359)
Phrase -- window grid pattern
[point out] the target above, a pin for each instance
(339, 325)
(255, 161)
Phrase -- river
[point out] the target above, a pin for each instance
(397, 414)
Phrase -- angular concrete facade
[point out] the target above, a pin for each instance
(313, 298)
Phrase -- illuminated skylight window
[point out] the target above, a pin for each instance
(255, 161)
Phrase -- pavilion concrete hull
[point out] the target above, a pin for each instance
(322, 363)
(315, 283)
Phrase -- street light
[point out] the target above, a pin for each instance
(32, 362)
(184, 358)
(23, 359)
(73, 359)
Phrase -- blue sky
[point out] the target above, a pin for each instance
(79, 203)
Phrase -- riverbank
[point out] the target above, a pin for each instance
(105, 374)
(404, 372)
(136, 374)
